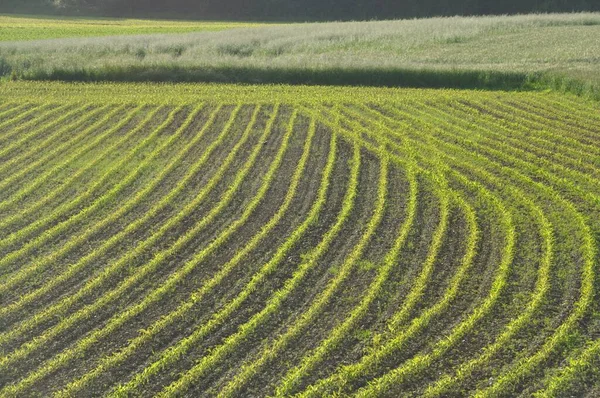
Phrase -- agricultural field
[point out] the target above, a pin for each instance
(24, 28)
(500, 52)
(225, 240)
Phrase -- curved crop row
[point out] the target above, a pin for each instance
(198, 295)
(202, 246)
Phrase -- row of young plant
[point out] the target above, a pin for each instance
(32, 296)
(43, 262)
(277, 299)
(535, 136)
(579, 363)
(420, 362)
(294, 376)
(524, 152)
(344, 377)
(586, 247)
(63, 305)
(580, 184)
(42, 136)
(28, 118)
(270, 351)
(567, 112)
(23, 134)
(166, 287)
(173, 353)
(8, 107)
(564, 113)
(11, 110)
(46, 135)
(500, 135)
(28, 211)
(503, 133)
(30, 178)
(199, 295)
(126, 206)
(541, 289)
(527, 365)
(250, 369)
(539, 133)
(22, 238)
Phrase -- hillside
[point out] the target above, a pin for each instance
(189, 233)
(520, 52)
(202, 240)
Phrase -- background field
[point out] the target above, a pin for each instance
(18, 28)
(521, 52)
(219, 239)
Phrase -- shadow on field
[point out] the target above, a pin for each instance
(414, 78)
(376, 77)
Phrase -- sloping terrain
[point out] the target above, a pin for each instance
(496, 52)
(211, 240)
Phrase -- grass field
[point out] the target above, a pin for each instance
(517, 52)
(202, 240)
(19, 28)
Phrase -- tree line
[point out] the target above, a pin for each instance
(295, 10)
